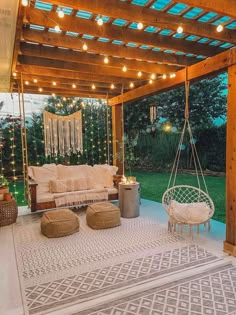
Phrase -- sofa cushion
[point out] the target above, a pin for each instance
(43, 173)
(103, 177)
(64, 185)
(73, 171)
(111, 168)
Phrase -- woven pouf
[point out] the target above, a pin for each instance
(59, 223)
(102, 215)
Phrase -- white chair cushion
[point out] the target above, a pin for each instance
(189, 213)
(111, 168)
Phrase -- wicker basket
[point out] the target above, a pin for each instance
(8, 212)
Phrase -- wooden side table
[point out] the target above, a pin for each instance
(129, 200)
(8, 212)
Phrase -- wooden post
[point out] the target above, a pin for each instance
(230, 242)
(117, 137)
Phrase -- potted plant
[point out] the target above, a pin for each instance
(4, 187)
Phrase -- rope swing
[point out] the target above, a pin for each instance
(187, 205)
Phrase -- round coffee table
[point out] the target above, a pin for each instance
(8, 212)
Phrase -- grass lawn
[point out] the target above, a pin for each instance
(153, 185)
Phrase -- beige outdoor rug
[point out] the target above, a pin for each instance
(99, 265)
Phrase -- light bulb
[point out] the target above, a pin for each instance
(64, 98)
(153, 76)
(54, 83)
(131, 84)
(180, 30)
(93, 87)
(112, 86)
(35, 80)
(106, 60)
(124, 69)
(14, 74)
(24, 3)
(57, 28)
(61, 13)
(220, 28)
(74, 86)
(139, 74)
(100, 21)
(150, 81)
(140, 25)
(27, 82)
(40, 89)
(85, 47)
(53, 94)
(164, 76)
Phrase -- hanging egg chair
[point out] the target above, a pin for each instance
(187, 205)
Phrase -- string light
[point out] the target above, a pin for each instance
(74, 86)
(40, 90)
(106, 60)
(140, 25)
(57, 28)
(93, 87)
(112, 86)
(219, 28)
(100, 21)
(131, 84)
(172, 75)
(27, 82)
(14, 74)
(54, 83)
(61, 13)
(53, 95)
(164, 76)
(24, 3)
(85, 47)
(64, 99)
(139, 74)
(124, 69)
(35, 80)
(180, 30)
(150, 81)
(153, 76)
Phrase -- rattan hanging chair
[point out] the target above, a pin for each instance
(187, 205)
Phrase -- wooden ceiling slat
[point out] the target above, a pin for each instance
(153, 17)
(82, 68)
(71, 42)
(225, 7)
(85, 58)
(197, 71)
(62, 73)
(74, 24)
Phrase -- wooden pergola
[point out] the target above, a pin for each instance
(83, 58)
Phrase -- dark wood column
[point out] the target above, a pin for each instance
(117, 137)
(230, 243)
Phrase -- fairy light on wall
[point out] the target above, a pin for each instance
(13, 162)
(85, 132)
(92, 134)
(105, 133)
(99, 137)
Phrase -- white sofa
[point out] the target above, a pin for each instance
(53, 186)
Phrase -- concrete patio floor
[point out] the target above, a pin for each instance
(10, 294)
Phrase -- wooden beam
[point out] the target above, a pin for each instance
(202, 69)
(82, 68)
(91, 59)
(72, 42)
(68, 74)
(230, 243)
(69, 88)
(226, 7)
(156, 18)
(117, 136)
(63, 82)
(20, 16)
(82, 26)
(61, 92)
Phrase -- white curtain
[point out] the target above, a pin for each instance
(62, 134)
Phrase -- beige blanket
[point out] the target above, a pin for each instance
(80, 197)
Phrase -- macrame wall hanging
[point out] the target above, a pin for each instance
(62, 134)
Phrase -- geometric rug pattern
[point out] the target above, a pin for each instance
(57, 273)
(213, 293)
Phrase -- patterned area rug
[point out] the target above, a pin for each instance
(57, 273)
(208, 293)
